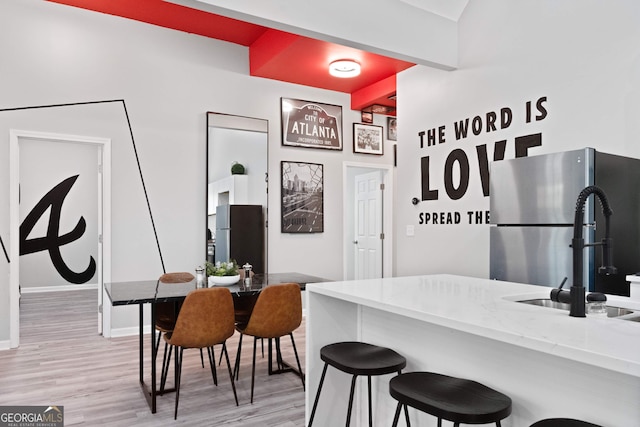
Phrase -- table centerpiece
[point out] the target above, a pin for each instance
(222, 273)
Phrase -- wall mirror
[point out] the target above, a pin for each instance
(237, 202)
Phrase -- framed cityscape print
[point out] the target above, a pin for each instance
(392, 129)
(302, 197)
(367, 139)
(311, 124)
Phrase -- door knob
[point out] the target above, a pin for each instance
(355, 242)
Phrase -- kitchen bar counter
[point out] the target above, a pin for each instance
(551, 364)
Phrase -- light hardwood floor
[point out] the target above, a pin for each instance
(63, 361)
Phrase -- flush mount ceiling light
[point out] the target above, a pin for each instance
(344, 68)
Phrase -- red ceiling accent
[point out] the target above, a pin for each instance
(287, 57)
(273, 54)
(378, 93)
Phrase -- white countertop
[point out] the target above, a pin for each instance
(634, 286)
(633, 278)
(486, 308)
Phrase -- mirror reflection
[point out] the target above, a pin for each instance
(237, 190)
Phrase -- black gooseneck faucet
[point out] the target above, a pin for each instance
(576, 295)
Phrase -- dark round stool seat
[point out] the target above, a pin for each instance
(359, 358)
(562, 422)
(453, 399)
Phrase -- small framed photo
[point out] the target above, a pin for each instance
(392, 129)
(367, 139)
(366, 117)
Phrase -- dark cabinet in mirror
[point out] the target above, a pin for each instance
(237, 178)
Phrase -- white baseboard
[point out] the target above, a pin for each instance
(33, 290)
(126, 332)
(5, 345)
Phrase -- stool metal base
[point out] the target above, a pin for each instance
(358, 359)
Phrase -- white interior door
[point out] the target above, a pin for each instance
(368, 226)
(18, 138)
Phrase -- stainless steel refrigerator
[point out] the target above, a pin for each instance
(533, 202)
(240, 235)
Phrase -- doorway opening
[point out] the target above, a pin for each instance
(367, 220)
(102, 188)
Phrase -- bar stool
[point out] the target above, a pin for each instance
(562, 422)
(358, 358)
(449, 398)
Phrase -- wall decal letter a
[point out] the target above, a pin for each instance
(53, 241)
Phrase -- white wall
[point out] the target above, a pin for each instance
(583, 56)
(136, 254)
(56, 54)
(228, 146)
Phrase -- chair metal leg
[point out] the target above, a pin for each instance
(178, 363)
(157, 343)
(202, 358)
(315, 403)
(233, 385)
(236, 366)
(396, 417)
(166, 361)
(162, 371)
(212, 363)
(406, 416)
(353, 387)
(406, 410)
(278, 355)
(369, 395)
(224, 346)
(295, 351)
(253, 366)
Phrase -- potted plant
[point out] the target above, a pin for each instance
(237, 169)
(222, 273)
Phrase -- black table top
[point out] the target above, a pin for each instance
(147, 291)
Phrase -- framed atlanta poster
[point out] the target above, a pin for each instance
(311, 124)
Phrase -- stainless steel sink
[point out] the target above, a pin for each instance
(612, 311)
(618, 311)
(545, 302)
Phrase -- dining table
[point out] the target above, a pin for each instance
(152, 292)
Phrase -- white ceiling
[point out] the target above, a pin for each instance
(450, 9)
(418, 31)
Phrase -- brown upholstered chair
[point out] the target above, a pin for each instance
(167, 313)
(278, 312)
(244, 311)
(206, 318)
(243, 308)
